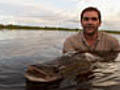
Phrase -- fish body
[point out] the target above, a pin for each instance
(71, 64)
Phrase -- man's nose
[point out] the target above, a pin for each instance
(89, 21)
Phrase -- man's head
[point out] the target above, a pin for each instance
(90, 20)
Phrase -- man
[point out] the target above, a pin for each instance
(90, 40)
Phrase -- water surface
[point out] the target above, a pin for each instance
(20, 48)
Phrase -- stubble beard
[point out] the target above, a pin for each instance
(90, 33)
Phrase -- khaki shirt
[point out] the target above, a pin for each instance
(77, 42)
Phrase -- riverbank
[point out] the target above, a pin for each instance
(17, 27)
(10, 27)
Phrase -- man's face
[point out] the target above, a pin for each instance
(90, 22)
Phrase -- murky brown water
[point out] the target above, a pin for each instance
(18, 49)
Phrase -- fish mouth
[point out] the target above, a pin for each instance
(39, 75)
(40, 79)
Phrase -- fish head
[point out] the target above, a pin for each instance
(42, 73)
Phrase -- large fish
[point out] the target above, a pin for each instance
(71, 64)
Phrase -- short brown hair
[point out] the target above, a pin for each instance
(91, 9)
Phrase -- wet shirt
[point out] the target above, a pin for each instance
(105, 42)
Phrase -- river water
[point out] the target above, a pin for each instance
(21, 48)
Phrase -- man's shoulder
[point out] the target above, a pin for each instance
(109, 37)
(73, 36)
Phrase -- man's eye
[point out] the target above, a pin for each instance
(86, 18)
(92, 18)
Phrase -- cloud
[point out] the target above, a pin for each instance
(41, 12)
(18, 8)
(27, 12)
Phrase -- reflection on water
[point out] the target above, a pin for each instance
(18, 49)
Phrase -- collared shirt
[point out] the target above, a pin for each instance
(90, 48)
(77, 42)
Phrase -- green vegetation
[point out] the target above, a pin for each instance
(17, 27)
(10, 27)
(111, 31)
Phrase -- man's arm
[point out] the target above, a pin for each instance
(114, 51)
(68, 46)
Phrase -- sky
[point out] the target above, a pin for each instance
(57, 13)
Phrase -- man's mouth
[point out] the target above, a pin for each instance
(89, 27)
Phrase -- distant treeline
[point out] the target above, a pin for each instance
(12, 27)
(111, 31)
